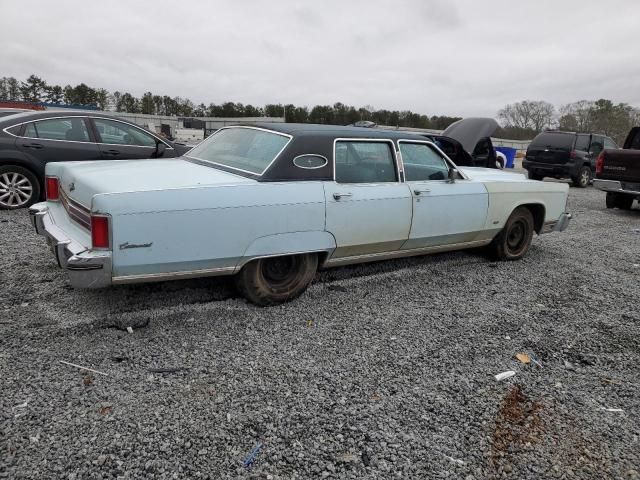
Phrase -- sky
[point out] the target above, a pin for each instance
(435, 57)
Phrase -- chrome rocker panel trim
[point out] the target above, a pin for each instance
(375, 257)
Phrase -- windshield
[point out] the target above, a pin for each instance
(248, 149)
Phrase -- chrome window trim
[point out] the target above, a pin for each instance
(290, 137)
(76, 141)
(326, 161)
(399, 178)
(47, 139)
(438, 150)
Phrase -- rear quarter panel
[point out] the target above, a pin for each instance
(212, 227)
(505, 197)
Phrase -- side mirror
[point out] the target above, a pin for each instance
(453, 174)
(160, 149)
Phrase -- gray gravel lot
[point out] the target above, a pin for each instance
(378, 371)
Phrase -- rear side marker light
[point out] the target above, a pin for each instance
(99, 231)
(52, 188)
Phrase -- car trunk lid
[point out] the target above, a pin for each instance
(80, 181)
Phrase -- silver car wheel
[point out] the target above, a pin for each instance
(15, 190)
(585, 178)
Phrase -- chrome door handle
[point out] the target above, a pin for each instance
(419, 191)
(338, 196)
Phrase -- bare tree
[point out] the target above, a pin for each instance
(528, 114)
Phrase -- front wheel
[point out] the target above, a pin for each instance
(273, 280)
(513, 242)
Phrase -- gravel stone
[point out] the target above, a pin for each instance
(382, 370)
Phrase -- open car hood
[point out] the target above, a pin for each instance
(469, 131)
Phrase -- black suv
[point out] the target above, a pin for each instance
(565, 155)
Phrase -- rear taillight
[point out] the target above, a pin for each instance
(573, 154)
(52, 187)
(99, 231)
(600, 164)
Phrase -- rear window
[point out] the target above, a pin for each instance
(248, 149)
(634, 144)
(562, 141)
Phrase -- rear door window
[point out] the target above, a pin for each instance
(582, 142)
(70, 129)
(364, 162)
(554, 140)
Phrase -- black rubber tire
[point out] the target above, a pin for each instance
(499, 164)
(611, 199)
(534, 176)
(624, 202)
(583, 178)
(514, 240)
(33, 180)
(274, 280)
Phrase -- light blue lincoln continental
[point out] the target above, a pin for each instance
(272, 204)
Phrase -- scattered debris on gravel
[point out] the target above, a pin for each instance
(383, 370)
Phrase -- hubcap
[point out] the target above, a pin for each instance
(15, 189)
(279, 272)
(517, 236)
(585, 177)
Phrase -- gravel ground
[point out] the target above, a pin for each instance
(378, 371)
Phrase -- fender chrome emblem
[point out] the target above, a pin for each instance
(72, 187)
(126, 245)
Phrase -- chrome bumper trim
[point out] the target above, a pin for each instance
(87, 269)
(612, 186)
(559, 225)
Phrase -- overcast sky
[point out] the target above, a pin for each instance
(461, 57)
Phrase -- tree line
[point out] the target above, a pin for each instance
(527, 118)
(520, 121)
(35, 89)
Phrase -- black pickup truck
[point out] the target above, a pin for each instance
(618, 172)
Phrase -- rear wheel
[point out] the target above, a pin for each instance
(624, 202)
(583, 178)
(513, 242)
(273, 280)
(19, 187)
(619, 200)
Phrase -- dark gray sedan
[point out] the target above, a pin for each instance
(28, 141)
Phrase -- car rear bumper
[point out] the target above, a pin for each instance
(559, 225)
(86, 268)
(550, 169)
(614, 186)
